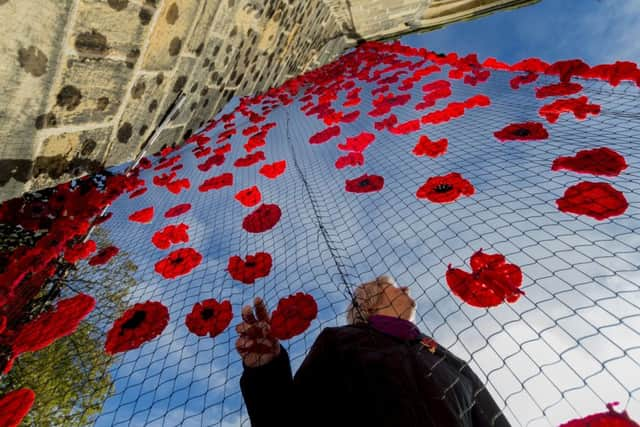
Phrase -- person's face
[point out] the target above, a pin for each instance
(396, 302)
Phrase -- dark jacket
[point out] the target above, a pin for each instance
(358, 376)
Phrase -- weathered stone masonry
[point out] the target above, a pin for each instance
(85, 82)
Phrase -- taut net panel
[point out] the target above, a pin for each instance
(505, 197)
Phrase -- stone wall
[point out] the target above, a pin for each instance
(86, 82)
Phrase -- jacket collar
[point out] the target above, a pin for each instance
(395, 326)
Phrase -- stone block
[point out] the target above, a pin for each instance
(198, 39)
(181, 81)
(169, 36)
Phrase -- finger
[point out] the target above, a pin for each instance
(261, 310)
(247, 315)
(242, 328)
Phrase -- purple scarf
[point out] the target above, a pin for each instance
(395, 326)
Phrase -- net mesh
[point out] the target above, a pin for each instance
(563, 350)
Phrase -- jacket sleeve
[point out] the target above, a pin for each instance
(485, 412)
(274, 398)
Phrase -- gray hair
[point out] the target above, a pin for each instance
(366, 299)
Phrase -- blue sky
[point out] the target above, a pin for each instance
(181, 379)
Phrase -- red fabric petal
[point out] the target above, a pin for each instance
(578, 106)
(255, 267)
(273, 170)
(177, 210)
(324, 135)
(15, 405)
(558, 89)
(249, 159)
(209, 317)
(445, 189)
(364, 184)
(104, 256)
(217, 182)
(527, 131)
(249, 196)
(178, 263)
(598, 200)
(358, 143)
(350, 159)
(171, 234)
(143, 216)
(433, 149)
(138, 325)
(262, 219)
(598, 161)
(293, 315)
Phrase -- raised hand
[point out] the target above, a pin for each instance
(255, 343)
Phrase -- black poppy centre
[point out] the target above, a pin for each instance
(135, 321)
(207, 313)
(363, 183)
(522, 132)
(443, 188)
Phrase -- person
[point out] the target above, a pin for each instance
(379, 370)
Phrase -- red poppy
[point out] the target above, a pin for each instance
(350, 117)
(405, 128)
(273, 170)
(53, 325)
(527, 131)
(379, 90)
(598, 200)
(79, 251)
(171, 234)
(217, 182)
(178, 263)
(477, 101)
(256, 266)
(249, 196)
(578, 106)
(143, 216)
(558, 89)
(138, 192)
(144, 163)
(262, 219)
(15, 405)
(223, 149)
(324, 135)
(139, 324)
(177, 210)
(199, 138)
(293, 315)
(603, 419)
(491, 282)
(433, 149)
(164, 179)
(167, 163)
(215, 160)
(520, 80)
(567, 69)
(102, 218)
(384, 103)
(332, 117)
(445, 189)
(453, 110)
(615, 73)
(364, 184)
(350, 159)
(209, 317)
(104, 256)
(386, 123)
(250, 130)
(598, 161)
(249, 159)
(176, 186)
(200, 152)
(535, 65)
(358, 143)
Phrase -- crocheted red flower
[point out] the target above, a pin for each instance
(104, 256)
(250, 130)
(518, 81)
(558, 89)
(491, 282)
(293, 315)
(217, 182)
(167, 163)
(598, 200)
(405, 127)
(364, 184)
(433, 149)
(249, 196)
(209, 317)
(577, 106)
(79, 251)
(445, 189)
(178, 263)
(103, 218)
(164, 179)
(567, 69)
(177, 210)
(273, 170)
(527, 131)
(249, 159)
(178, 185)
(598, 161)
(139, 324)
(603, 419)
(350, 159)
(143, 216)
(223, 149)
(169, 235)
(324, 135)
(262, 219)
(255, 141)
(350, 117)
(138, 192)
(615, 73)
(15, 405)
(255, 266)
(201, 152)
(215, 160)
(386, 123)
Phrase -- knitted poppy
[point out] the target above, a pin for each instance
(293, 315)
(209, 317)
(603, 419)
(273, 170)
(249, 196)
(79, 251)
(250, 130)
(598, 200)
(615, 73)
(445, 189)
(215, 160)
(350, 117)
(164, 179)
(558, 89)
(223, 149)
(364, 184)
(324, 135)
(491, 282)
(255, 266)
(254, 142)
(578, 106)
(178, 185)
(249, 159)
(178, 263)
(405, 127)
(567, 69)
(527, 131)
(520, 80)
(452, 110)
(104, 256)
(143, 216)
(350, 159)
(433, 149)
(358, 143)
(171, 234)
(102, 218)
(386, 123)
(262, 219)
(201, 152)
(167, 163)
(177, 210)
(14, 406)
(139, 324)
(138, 192)
(332, 117)
(217, 182)
(598, 161)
